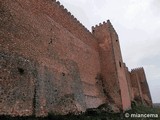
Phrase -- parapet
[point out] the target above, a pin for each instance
(100, 25)
(106, 24)
(69, 14)
(125, 67)
(64, 18)
(137, 69)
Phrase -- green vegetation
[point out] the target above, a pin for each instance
(97, 115)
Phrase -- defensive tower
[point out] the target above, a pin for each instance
(112, 67)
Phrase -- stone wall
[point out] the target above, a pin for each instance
(112, 67)
(140, 86)
(50, 63)
(66, 66)
(17, 88)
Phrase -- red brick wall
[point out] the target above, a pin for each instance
(66, 68)
(108, 68)
(126, 102)
(112, 66)
(136, 87)
(145, 93)
(17, 75)
(128, 77)
(63, 51)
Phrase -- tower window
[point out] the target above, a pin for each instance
(120, 64)
(116, 40)
(63, 74)
(21, 71)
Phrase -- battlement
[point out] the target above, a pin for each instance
(71, 16)
(105, 24)
(45, 74)
(137, 69)
(100, 24)
(125, 66)
(61, 15)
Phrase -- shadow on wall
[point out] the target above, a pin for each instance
(28, 88)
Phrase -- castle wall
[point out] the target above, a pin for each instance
(52, 64)
(108, 69)
(145, 88)
(66, 60)
(128, 78)
(112, 68)
(120, 68)
(17, 75)
(136, 87)
(59, 14)
(145, 93)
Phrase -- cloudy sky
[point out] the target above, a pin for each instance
(137, 23)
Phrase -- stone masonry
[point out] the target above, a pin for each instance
(50, 63)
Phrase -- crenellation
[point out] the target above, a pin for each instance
(58, 3)
(137, 69)
(100, 25)
(67, 11)
(72, 16)
(107, 24)
(92, 28)
(61, 6)
(104, 22)
(80, 70)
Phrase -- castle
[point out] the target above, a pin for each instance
(50, 63)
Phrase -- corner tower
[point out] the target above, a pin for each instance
(140, 87)
(112, 67)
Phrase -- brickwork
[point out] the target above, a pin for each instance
(140, 86)
(18, 85)
(108, 69)
(50, 63)
(128, 77)
(39, 38)
(137, 90)
(112, 67)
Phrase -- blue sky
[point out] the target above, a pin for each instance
(137, 23)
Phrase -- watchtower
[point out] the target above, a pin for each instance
(112, 67)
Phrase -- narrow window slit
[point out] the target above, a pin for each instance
(21, 71)
(120, 64)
